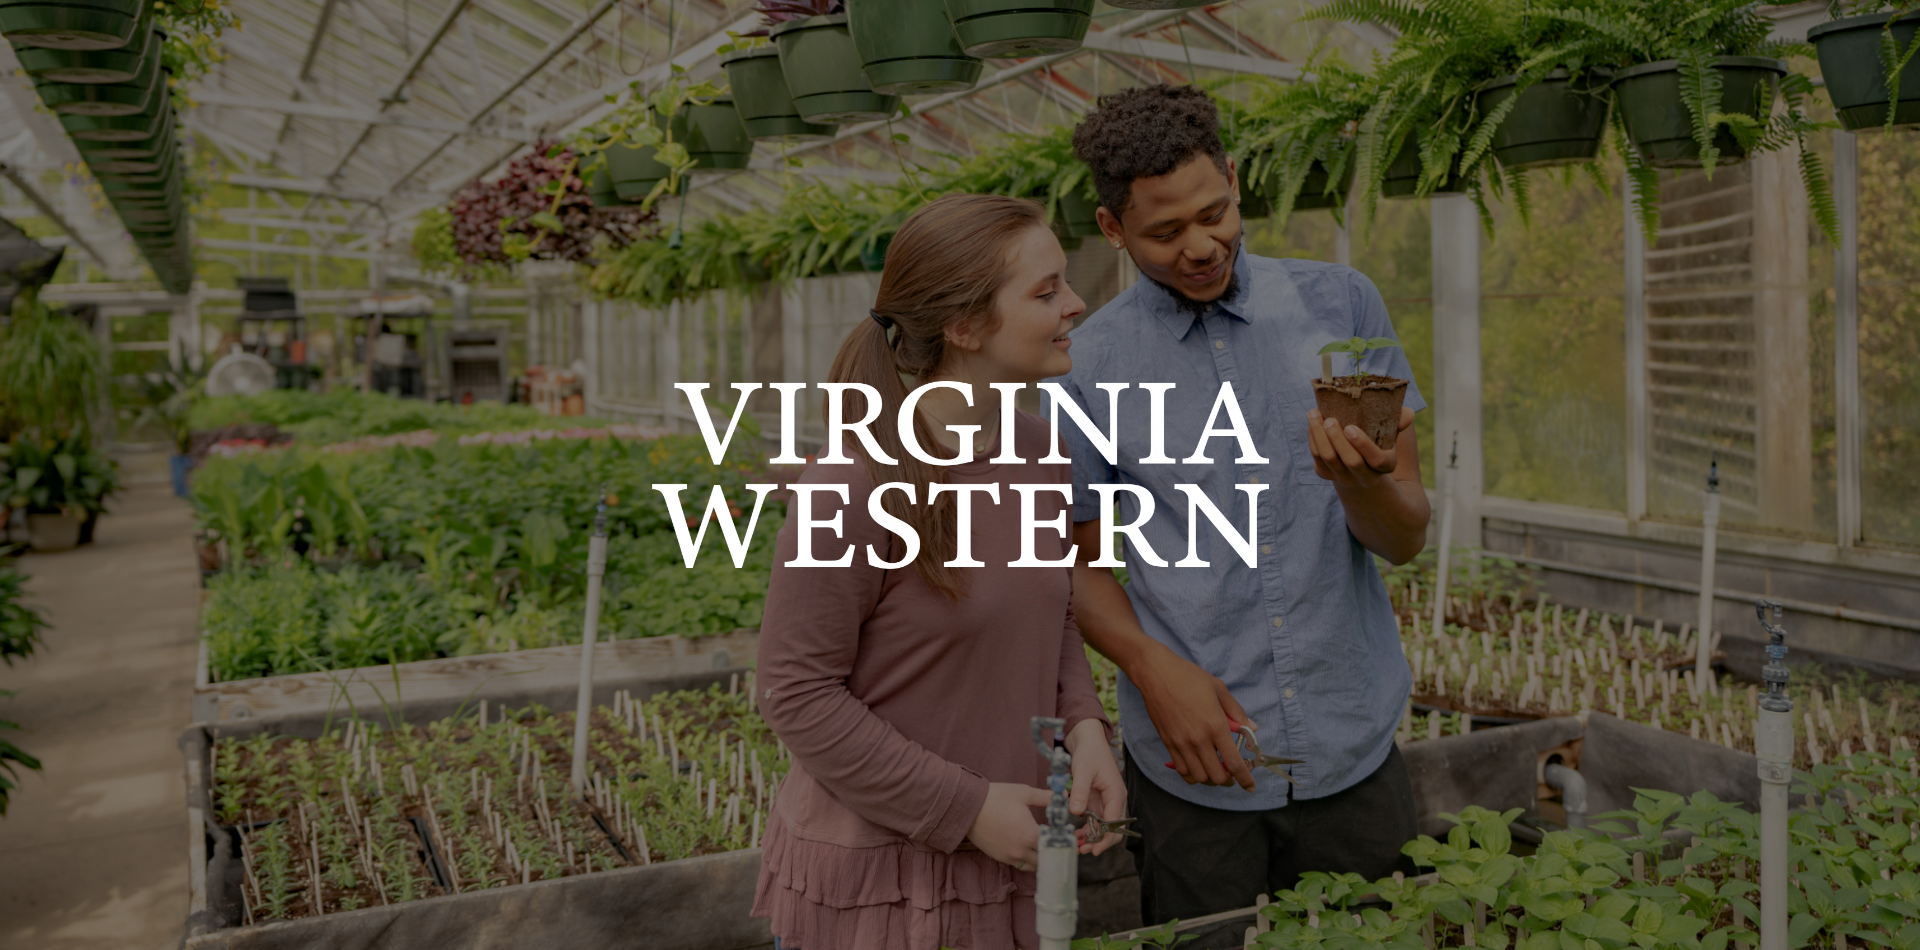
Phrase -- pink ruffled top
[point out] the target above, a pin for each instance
(900, 706)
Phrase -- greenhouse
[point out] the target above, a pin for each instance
(1481, 440)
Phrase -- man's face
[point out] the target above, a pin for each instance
(1182, 227)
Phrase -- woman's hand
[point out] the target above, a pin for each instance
(1096, 781)
(1005, 830)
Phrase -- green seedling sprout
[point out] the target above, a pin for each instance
(1355, 347)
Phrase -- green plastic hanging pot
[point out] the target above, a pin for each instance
(80, 65)
(634, 171)
(1158, 4)
(1313, 194)
(873, 259)
(74, 24)
(760, 94)
(117, 128)
(1657, 118)
(1403, 175)
(132, 97)
(908, 48)
(822, 67)
(1077, 212)
(1017, 29)
(1557, 121)
(1849, 50)
(713, 134)
(600, 189)
(1254, 203)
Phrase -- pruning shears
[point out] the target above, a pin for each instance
(1098, 828)
(1250, 750)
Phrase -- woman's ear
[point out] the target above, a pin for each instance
(965, 334)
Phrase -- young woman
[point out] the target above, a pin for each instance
(909, 819)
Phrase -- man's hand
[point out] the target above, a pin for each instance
(1190, 708)
(1386, 508)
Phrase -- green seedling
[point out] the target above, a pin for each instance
(1355, 347)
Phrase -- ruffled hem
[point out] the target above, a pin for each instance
(823, 896)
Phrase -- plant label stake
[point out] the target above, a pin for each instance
(1446, 539)
(1773, 747)
(1056, 899)
(1710, 520)
(583, 710)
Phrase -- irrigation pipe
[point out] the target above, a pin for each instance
(583, 710)
(1773, 747)
(1798, 606)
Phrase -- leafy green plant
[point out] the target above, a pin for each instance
(20, 624)
(12, 757)
(1893, 59)
(1286, 130)
(168, 397)
(645, 119)
(52, 374)
(46, 476)
(1358, 347)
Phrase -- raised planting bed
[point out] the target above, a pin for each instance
(432, 689)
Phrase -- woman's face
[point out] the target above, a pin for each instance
(1033, 310)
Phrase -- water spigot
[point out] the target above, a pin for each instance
(1775, 673)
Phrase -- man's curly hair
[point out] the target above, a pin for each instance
(1146, 132)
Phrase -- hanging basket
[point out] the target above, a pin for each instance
(1849, 51)
(873, 259)
(1253, 198)
(600, 189)
(1557, 121)
(1313, 194)
(823, 71)
(1077, 212)
(1657, 118)
(97, 66)
(1017, 29)
(713, 134)
(143, 93)
(760, 94)
(634, 171)
(1403, 175)
(72, 25)
(907, 47)
(1159, 4)
(118, 128)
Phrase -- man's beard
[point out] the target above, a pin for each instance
(1199, 308)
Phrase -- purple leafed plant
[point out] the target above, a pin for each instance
(773, 12)
(524, 192)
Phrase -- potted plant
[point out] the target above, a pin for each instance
(74, 25)
(821, 63)
(144, 92)
(1361, 399)
(98, 66)
(1017, 29)
(1295, 142)
(760, 93)
(540, 209)
(908, 47)
(1866, 60)
(714, 135)
(61, 484)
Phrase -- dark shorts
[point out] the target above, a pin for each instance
(1195, 860)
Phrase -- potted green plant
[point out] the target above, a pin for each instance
(98, 66)
(908, 47)
(1017, 29)
(760, 93)
(714, 135)
(1866, 60)
(1361, 398)
(142, 93)
(74, 24)
(821, 63)
(1295, 143)
(61, 484)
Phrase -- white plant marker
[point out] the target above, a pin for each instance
(1703, 640)
(583, 710)
(1446, 538)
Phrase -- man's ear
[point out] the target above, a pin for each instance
(1110, 227)
(1233, 179)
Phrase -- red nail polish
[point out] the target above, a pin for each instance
(1169, 765)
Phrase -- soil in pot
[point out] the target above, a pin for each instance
(1657, 117)
(714, 135)
(823, 72)
(1856, 79)
(760, 94)
(1370, 402)
(53, 532)
(92, 25)
(1016, 29)
(908, 48)
(1557, 121)
(1403, 175)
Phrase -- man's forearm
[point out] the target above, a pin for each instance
(1389, 518)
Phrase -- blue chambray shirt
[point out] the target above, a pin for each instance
(1306, 642)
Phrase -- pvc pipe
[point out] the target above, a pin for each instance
(1573, 792)
(1703, 650)
(583, 709)
(1446, 540)
(1056, 897)
(1773, 747)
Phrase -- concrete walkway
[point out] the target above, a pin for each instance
(93, 851)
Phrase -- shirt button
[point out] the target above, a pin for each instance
(1267, 549)
(1219, 344)
(1277, 621)
(1289, 694)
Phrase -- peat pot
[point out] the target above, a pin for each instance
(1556, 121)
(1657, 117)
(73, 24)
(53, 531)
(1370, 402)
(1403, 175)
(1016, 29)
(713, 135)
(823, 72)
(761, 96)
(907, 47)
(1856, 78)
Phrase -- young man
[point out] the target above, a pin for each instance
(1304, 646)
